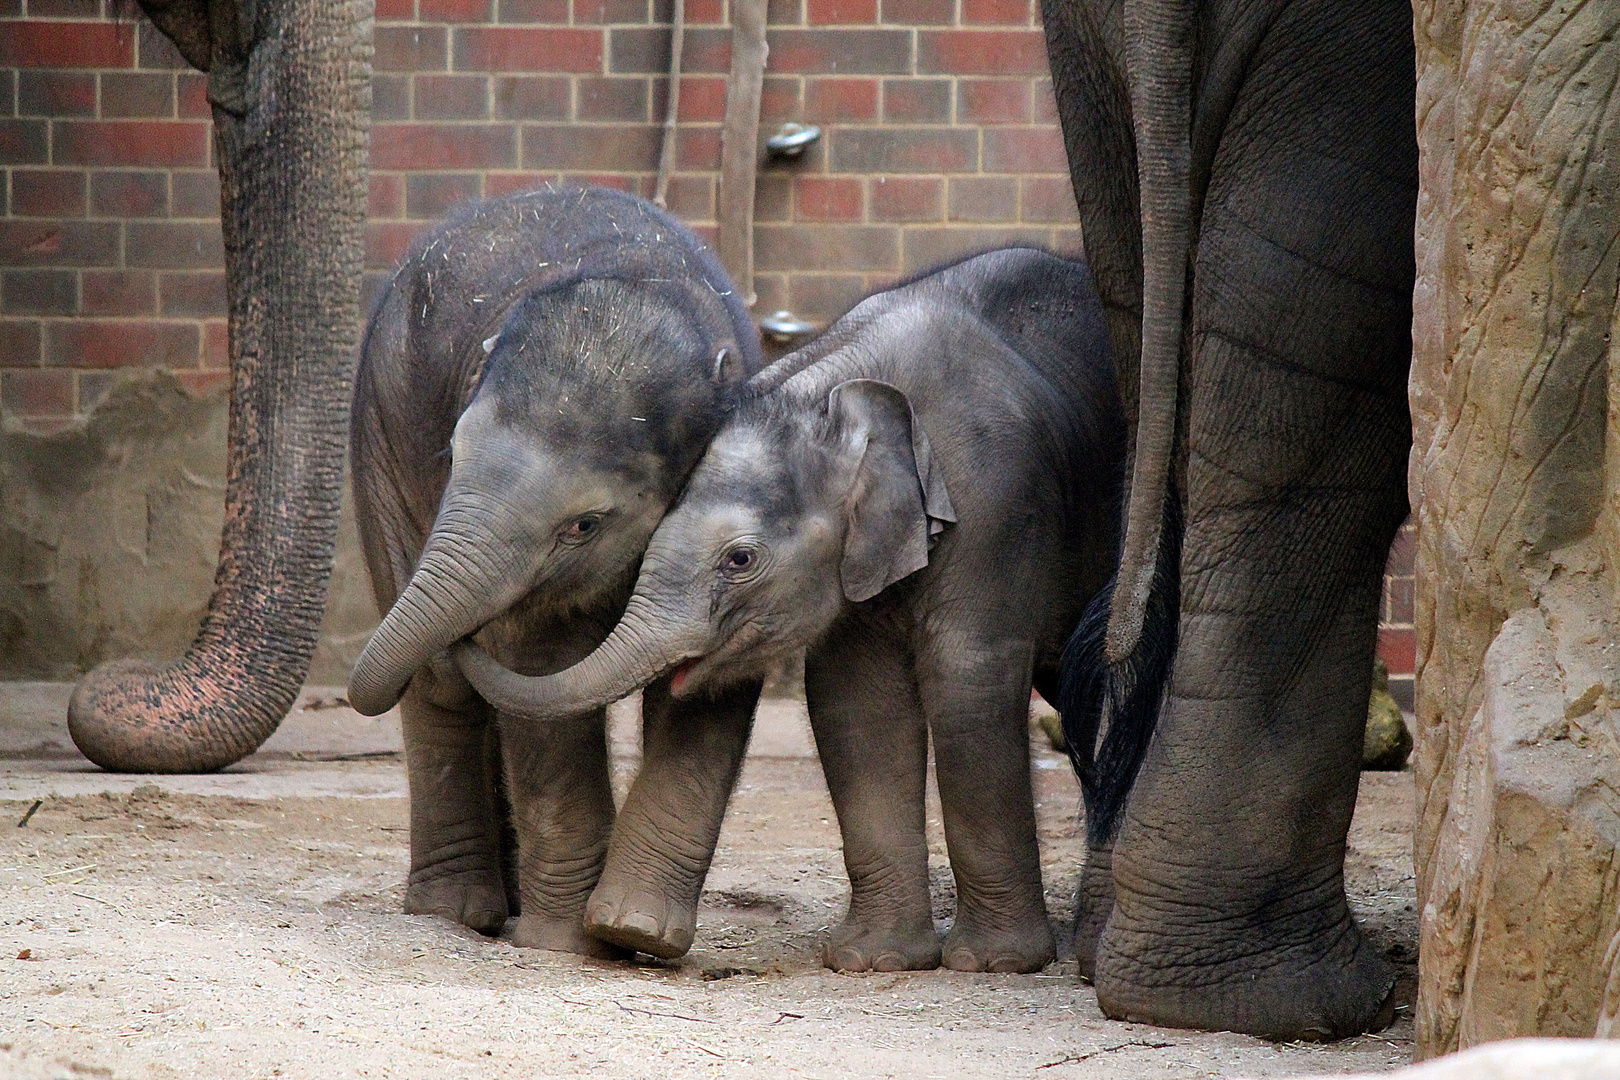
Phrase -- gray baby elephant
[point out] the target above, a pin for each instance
(926, 498)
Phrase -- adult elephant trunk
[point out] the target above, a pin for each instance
(461, 582)
(291, 95)
(1159, 66)
(639, 649)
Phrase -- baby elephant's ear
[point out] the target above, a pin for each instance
(898, 501)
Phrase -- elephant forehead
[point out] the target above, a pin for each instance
(756, 467)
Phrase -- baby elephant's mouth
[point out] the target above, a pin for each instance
(677, 681)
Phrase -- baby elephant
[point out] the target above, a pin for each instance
(925, 497)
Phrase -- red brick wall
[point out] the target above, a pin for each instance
(939, 138)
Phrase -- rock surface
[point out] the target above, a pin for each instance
(1519, 1059)
(1515, 481)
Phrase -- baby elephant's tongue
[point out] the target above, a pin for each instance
(678, 681)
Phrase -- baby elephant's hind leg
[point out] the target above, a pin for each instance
(874, 749)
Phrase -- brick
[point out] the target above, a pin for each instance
(196, 294)
(612, 99)
(496, 184)
(784, 12)
(616, 181)
(39, 292)
(603, 12)
(118, 292)
(919, 12)
(644, 50)
(23, 142)
(385, 195)
(997, 12)
(1067, 241)
(702, 13)
(992, 101)
(19, 342)
(771, 292)
(58, 243)
(848, 52)
(1046, 110)
(204, 384)
(48, 193)
(126, 194)
(1049, 200)
(390, 97)
(36, 392)
(137, 94)
(40, 44)
(1399, 601)
(593, 146)
(773, 197)
(983, 198)
(149, 143)
(191, 96)
(907, 198)
(56, 93)
(821, 298)
(697, 147)
(387, 242)
(194, 194)
(779, 99)
(532, 97)
(451, 97)
(691, 198)
(981, 52)
(8, 92)
(410, 147)
(827, 198)
(411, 48)
(1025, 150)
(116, 343)
(455, 11)
(512, 48)
(840, 12)
(396, 10)
(93, 388)
(890, 150)
(431, 195)
(372, 286)
(173, 245)
(1398, 649)
(155, 52)
(703, 100)
(830, 101)
(64, 9)
(826, 247)
(11, 9)
(534, 11)
(927, 246)
(217, 349)
(917, 101)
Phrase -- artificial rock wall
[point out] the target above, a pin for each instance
(1516, 457)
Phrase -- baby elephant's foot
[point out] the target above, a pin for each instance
(855, 946)
(1013, 950)
(563, 935)
(475, 899)
(641, 920)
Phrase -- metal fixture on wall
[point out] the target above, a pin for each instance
(791, 140)
(784, 327)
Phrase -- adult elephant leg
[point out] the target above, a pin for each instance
(664, 841)
(873, 742)
(457, 869)
(1229, 909)
(291, 145)
(976, 697)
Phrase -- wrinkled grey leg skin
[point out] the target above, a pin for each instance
(873, 744)
(456, 870)
(562, 810)
(976, 698)
(659, 856)
(1093, 903)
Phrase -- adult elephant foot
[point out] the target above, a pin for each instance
(1284, 990)
(859, 945)
(632, 916)
(474, 898)
(1093, 903)
(564, 935)
(1005, 949)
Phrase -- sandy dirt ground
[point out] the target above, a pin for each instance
(248, 924)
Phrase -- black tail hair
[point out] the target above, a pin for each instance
(1129, 692)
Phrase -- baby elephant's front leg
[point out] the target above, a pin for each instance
(977, 700)
(664, 841)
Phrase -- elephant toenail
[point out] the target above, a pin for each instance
(640, 922)
(889, 961)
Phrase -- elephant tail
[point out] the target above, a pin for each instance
(1127, 692)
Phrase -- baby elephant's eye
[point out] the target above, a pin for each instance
(740, 558)
(581, 529)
